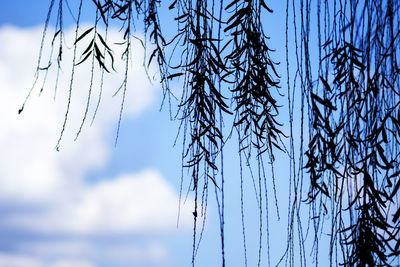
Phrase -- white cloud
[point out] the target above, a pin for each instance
(150, 253)
(84, 253)
(43, 191)
(19, 260)
(72, 262)
(70, 248)
(14, 260)
(132, 203)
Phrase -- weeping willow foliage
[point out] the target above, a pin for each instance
(344, 74)
(353, 113)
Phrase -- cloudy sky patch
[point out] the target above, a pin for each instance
(45, 194)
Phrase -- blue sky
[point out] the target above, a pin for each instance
(93, 204)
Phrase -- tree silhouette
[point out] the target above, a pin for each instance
(344, 73)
